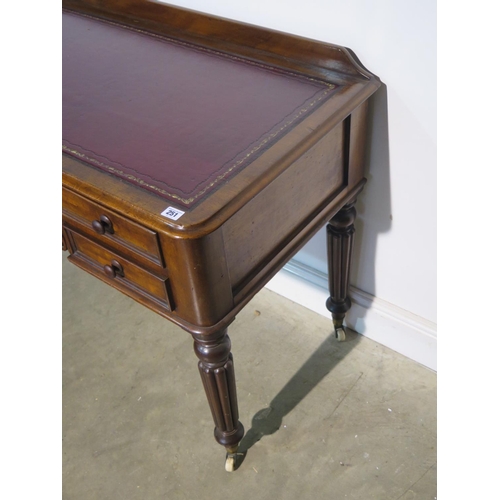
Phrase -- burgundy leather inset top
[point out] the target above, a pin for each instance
(171, 117)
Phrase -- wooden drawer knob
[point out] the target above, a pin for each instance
(114, 269)
(103, 225)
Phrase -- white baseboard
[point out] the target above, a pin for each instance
(377, 319)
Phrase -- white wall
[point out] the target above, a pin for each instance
(395, 271)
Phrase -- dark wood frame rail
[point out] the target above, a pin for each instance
(199, 269)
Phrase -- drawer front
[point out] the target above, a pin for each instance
(111, 228)
(123, 272)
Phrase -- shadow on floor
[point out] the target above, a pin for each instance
(268, 420)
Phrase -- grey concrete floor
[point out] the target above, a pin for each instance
(323, 419)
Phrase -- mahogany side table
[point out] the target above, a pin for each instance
(200, 154)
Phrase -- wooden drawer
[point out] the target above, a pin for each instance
(118, 271)
(111, 228)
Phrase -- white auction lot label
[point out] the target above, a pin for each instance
(172, 213)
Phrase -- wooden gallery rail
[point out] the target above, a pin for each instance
(199, 154)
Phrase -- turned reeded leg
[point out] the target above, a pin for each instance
(217, 374)
(340, 236)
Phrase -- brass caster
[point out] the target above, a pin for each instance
(340, 333)
(230, 462)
